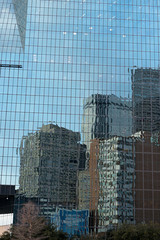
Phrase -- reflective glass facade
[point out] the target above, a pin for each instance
(80, 103)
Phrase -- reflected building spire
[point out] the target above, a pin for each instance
(13, 27)
(20, 8)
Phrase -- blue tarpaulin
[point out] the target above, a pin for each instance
(74, 222)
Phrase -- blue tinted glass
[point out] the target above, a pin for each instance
(79, 119)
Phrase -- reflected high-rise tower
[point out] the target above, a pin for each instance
(146, 99)
(116, 166)
(50, 159)
(105, 116)
(146, 129)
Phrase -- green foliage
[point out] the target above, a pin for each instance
(107, 235)
(123, 232)
(100, 236)
(52, 234)
(6, 236)
(129, 232)
(86, 237)
(137, 232)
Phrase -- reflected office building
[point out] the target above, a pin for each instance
(147, 175)
(49, 161)
(105, 116)
(146, 129)
(146, 99)
(116, 168)
(112, 180)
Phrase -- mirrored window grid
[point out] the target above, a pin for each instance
(80, 111)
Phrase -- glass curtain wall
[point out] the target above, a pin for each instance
(80, 111)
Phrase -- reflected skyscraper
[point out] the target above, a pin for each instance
(116, 166)
(105, 116)
(49, 161)
(146, 99)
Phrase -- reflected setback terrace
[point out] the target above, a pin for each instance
(71, 52)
